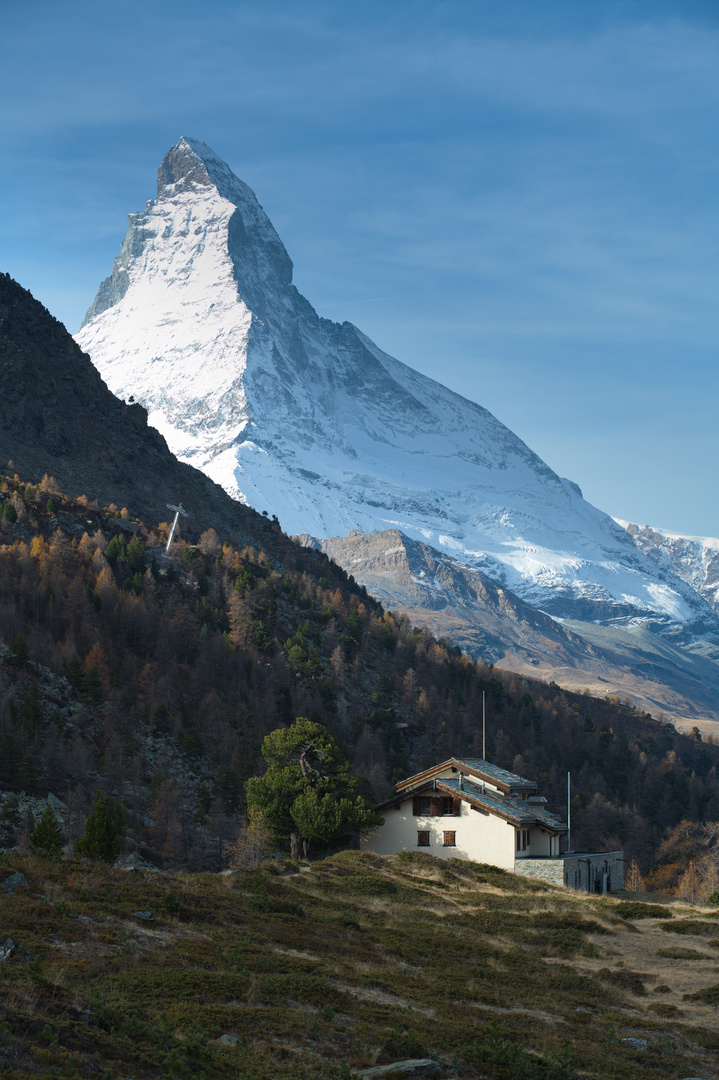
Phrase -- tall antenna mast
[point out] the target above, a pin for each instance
(484, 742)
(178, 510)
(569, 811)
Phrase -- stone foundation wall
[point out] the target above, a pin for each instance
(594, 872)
(550, 870)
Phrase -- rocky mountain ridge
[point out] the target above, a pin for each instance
(694, 559)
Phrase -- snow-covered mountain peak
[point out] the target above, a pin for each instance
(252, 242)
(310, 420)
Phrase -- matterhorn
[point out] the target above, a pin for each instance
(308, 420)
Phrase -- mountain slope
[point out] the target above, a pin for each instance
(278, 975)
(452, 599)
(457, 601)
(60, 419)
(309, 419)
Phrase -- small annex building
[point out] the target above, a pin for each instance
(468, 808)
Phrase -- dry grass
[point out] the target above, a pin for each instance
(362, 961)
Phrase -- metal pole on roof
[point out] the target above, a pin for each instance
(569, 811)
(484, 726)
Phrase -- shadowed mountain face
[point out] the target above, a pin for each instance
(59, 418)
(309, 419)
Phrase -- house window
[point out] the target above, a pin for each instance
(423, 838)
(522, 839)
(436, 806)
(450, 839)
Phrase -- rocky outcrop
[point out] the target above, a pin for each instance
(411, 1069)
(451, 598)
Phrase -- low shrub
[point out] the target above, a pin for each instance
(664, 1009)
(677, 952)
(700, 927)
(635, 909)
(625, 979)
(709, 995)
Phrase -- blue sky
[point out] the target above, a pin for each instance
(517, 198)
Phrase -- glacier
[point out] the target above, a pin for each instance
(309, 420)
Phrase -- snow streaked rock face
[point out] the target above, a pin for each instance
(695, 559)
(309, 420)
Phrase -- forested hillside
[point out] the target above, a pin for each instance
(156, 680)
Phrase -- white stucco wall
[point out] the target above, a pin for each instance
(539, 844)
(481, 837)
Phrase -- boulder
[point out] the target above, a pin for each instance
(8, 948)
(15, 881)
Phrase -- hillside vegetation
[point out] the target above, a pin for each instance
(280, 974)
(155, 681)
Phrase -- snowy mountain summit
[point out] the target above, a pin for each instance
(309, 420)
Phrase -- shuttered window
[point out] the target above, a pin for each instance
(431, 806)
(423, 838)
(450, 839)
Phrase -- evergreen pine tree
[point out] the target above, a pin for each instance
(99, 840)
(46, 837)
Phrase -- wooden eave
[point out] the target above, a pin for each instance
(428, 787)
(421, 778)
(459, 766)
(479, 805)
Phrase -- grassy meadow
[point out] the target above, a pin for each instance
(289, 972)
